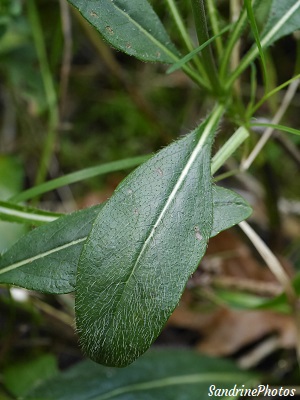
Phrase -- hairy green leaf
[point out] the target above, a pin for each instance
(229, 209)
(284, 18)
(130, 26)
(159, 375)
(46, 258)
(146, 242)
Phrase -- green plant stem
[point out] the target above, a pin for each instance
(278, 127)
(180, 25)
(271, 93)
(226, 175)
(252, 22)
(199, 80)
(245, 62)
(194, 52)
(269, 131)
(229, 148)
(253, 87)
(50, 92)
(184, 34)
(214, 20)
(233, 38)
(202, 33)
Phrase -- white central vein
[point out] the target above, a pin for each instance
(41, 255)
(207, 131)
(280, 23)
(169, 381)
(147, 34)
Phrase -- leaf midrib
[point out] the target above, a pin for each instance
(169, 381)
(41, 255)
(279, 24)
(253, 52)
(146, 33)
(207, 131)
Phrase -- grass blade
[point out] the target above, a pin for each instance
(78, 176)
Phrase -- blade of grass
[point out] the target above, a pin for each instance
(235, 35)
(214, 20)
(236, 140)
(78, 176)
(179, 64)
(184, 34)
(268, 133)
(253, 87)
(15, 213)
(271, 93)
(202, 33)
(180, 25)
(278, 127)
(228, 149)
(254, 52)
(252, 22)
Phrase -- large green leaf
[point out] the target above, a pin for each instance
(46, 258)
(131, 26)
(284, 18)
(146, 242)
(41, 262)
(158, 375)
(20, 377)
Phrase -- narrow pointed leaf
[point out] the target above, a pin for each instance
(180, 63)
(146, 242)
(252, 21)
(46, 258)
(229, 209)
(278, 127)
(131, 26)
(284, 18)
(78, 176)
(22, 214)
(159, 375)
